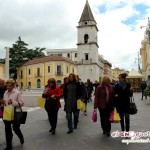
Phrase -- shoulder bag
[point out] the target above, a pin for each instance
(20, 117)
(132, 107)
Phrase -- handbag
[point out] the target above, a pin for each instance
(111, 118)
(80, 105)
(114, 116)
(94, 116)
(132, 107)
(50, 104)
(8, 113)
(1, 112)
(20, 117)
(41, 102)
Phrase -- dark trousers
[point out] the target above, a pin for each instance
(69, 118)
(143, 95)
(104, 118)
(8, 132)
(52, 116)
(125, 121)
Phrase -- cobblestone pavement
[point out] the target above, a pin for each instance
(88, 135)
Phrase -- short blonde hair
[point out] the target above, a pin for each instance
(106, 79)
(11, 81)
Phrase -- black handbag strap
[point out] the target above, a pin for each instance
(132, 100)
(20, 106)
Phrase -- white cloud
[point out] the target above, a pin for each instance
(52, 24)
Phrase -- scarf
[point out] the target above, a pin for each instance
(107, 93)
(123, 85)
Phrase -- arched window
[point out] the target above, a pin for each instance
(86, 38)
(38, 83)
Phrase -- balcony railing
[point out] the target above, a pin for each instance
(38, 75)
(83, 61)
(58, 73)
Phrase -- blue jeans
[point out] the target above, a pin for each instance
(69, 118)
(125, 121)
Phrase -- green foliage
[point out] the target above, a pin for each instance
(19, 54)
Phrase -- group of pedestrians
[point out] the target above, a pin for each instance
(108, 96)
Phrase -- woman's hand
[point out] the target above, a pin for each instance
(9, 101)
(53, 96)
(2, 102)
(116, 95)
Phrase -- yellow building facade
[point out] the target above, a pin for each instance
(2, 70)
(35, 73)
(116, 72)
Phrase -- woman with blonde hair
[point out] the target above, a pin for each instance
(104, 102)
(12, 97)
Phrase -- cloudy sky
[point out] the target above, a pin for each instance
(52, 24)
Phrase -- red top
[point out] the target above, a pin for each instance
(57, 94)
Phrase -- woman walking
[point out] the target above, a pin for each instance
(52, 104)
(103, 101)
(72, 93)
(123, 92)
(12, 97)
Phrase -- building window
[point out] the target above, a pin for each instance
(86, 57)
(21, 74)
(29, 85)
(67, 69)
(38, 72)
(49, 69)
(68, 55)
(29, 71)
(72, 70)
(21, 85)
(76, 54)
(86, 38)
(38, 83)
(58, 70)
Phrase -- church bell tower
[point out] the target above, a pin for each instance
(88, 63)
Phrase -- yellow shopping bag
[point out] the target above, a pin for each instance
(83, 106)
(79, 104)
(41, 102)
(8, 113)
(116, 118)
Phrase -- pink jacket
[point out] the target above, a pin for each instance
(15, 96)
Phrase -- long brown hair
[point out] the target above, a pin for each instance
(53, 81)
(74, 77)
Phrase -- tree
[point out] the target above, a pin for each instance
(19, 54)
